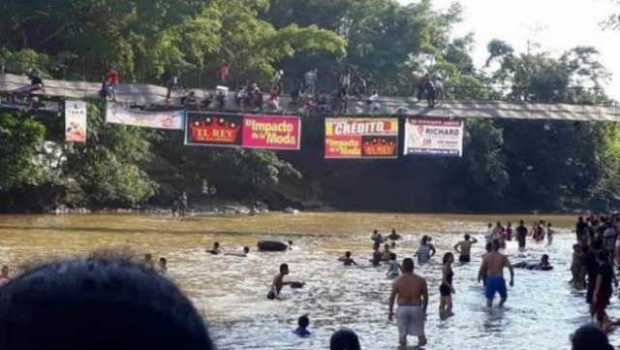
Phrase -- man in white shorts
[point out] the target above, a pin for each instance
(412, 293)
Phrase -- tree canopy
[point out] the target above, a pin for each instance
(507, 165)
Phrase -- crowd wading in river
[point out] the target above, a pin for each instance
(48, 304)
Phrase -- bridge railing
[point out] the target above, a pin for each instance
(146, 95)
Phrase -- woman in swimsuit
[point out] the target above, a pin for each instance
(445, 289)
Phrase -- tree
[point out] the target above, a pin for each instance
(21, 139)
(110, 169)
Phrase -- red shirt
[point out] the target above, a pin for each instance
(113, 77)
(223, 72)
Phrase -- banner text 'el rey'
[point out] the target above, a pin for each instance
(248, 131)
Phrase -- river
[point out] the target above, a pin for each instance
(542, 310)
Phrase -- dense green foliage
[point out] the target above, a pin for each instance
(508, 165)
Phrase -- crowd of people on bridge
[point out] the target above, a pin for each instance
(103, 289)
(306, 94)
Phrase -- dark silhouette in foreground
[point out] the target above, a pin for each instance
(344, 339)
(590, 337)
(97, 304)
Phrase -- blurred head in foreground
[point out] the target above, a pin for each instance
(97, 303)
(344, 339)
(590, 337)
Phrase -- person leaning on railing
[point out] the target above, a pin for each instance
(112, 80)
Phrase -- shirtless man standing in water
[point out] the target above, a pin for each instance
(278, 283)
(492, 269)
(464, 249)
(412, 293)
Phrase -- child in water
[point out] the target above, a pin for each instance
(216, 249)
(163, 265)
(394, 269)
(347, 260)
(302, 330)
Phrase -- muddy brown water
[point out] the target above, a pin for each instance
(542, 310)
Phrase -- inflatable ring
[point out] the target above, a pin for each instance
(272, 246)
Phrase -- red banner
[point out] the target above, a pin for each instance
(271, 132)
(249, 131)
(213, 129)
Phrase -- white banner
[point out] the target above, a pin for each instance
(434, 136)
(170, 120)
(75, 121)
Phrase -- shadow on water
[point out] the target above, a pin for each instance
(541, 311)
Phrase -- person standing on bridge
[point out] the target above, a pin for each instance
(36, 84)
(310, 78)
(223, 72)
(171, 80)
(112, 80)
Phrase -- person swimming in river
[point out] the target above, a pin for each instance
(394, 236)
(446, 289)
(386, 253)
(537, 232)
(377, 237)
(464, 248)
(163, 265)
(244, 254)
(278, 283)
(542, 265)
(347, 260)
(376, 255)
(302, 327)
(216, 249)
(148, 261)
(426, 250)
(394, 267)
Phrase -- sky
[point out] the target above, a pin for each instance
(555, 25)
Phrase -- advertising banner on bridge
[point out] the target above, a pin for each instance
(355, 138)
(434, 136)
(75, 121)
(248, 131)
(272, 132)
(170, 120)
(213, 129)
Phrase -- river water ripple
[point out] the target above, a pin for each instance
(541, 312)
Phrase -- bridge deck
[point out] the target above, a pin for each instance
(148, 95)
